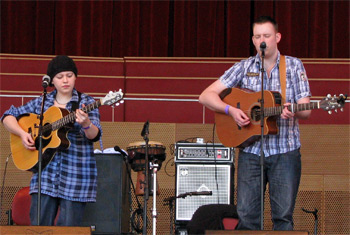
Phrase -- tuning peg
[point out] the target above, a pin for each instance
(341, 109)
(122, 101)
(117, 104)
(329, 96)
(335, 110)
(330, 112)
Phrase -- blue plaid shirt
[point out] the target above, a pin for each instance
(245, 74)
(72, 173)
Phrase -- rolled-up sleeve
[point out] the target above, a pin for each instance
(301, 82)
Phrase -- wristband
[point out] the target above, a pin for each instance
(226, 108)
(85, 128)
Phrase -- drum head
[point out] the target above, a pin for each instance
(137, 154)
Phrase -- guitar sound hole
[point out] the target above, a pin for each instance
(255, 114)
(47, 131)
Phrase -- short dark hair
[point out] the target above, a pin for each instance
(266, 19)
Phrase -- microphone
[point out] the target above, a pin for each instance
(121, 151)
(202, 193)
(46, 81)
(145, 130)
(262, 46)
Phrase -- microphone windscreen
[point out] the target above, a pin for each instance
(121, 151)
(117, 148)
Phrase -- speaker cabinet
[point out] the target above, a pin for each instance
(217, 178)
(111, 212)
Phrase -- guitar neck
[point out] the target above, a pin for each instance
(70, 118)
(275, 111)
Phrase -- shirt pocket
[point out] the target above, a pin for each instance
(251, 83)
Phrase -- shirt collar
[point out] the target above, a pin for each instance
(257, 59)
(52, 95)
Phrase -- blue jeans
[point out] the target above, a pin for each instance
(282, 172)
(70, 212)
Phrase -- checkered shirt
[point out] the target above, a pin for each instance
(297, 87)
(72, 173)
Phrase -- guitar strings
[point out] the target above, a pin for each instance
(70, 118)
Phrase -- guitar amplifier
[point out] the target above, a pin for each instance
(216, 178)
(202, 168)
(204, 153)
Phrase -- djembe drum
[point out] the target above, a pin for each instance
(137, 160)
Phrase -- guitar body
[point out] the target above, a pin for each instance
(56, 124)
(229, 133)
(25, 159)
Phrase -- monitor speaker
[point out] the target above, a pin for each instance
(111, 212)
(217, 178)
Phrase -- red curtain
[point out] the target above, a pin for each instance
(315, 29)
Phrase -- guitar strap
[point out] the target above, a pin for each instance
(283, 77)
(75, 105)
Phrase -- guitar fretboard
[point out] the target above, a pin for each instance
(70, 118)
(274, 111)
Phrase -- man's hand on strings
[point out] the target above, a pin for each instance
(239, 116)
(286, 114)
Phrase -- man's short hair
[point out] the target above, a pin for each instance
(266, 19)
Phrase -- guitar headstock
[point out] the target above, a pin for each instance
(329, 103)
(111, 98)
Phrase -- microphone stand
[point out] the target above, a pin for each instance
(144, 134)
(170, 202)
(40, 135)
(262, 48)
(154, 166)
(316, 219)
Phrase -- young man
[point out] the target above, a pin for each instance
(69, 181)
(282, 156)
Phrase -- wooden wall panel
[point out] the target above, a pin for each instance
(321, 88)
(179, 79)
(325, 150)
(337, 203)
(324, 68)
(178, 67)
(167, 111)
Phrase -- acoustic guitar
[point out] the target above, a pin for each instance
(232, 135)
(56, 124)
